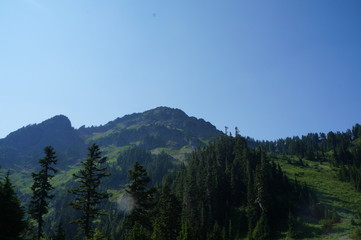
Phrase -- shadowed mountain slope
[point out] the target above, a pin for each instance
(159, 128)
(25, 146)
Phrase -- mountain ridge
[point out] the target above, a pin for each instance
(161, 127)
(152, 114)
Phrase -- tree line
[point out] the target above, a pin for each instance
(342, 150)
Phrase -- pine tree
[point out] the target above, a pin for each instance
(12, 222)
(252, 208)
(41, 188)
(263, 199)
(167, 224)
(88, 192)
(140, 218)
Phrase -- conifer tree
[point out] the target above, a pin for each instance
(12, 222)
(167, 224)
(263, 200)
(140, 218)
(41, 188)
(88, 192)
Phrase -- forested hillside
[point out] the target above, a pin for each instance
(226, 191)
(133, 184)
(341, 150)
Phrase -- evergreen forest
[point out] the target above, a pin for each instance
(207, 185)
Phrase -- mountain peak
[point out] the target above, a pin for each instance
(165, 113)
(26, 144)
(166, 109)
(161, 127)
(58, 121)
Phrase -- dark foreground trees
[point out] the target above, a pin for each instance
(230, 191)
(138, 223)
(41, 188)
(167, 224)
(89, 193)
(12, 223)
(226, 191)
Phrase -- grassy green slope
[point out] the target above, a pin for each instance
(331, 192)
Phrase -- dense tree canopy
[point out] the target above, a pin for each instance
(12, 223)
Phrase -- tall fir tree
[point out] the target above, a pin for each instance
(167, 224)
(12, 223)
(41, 189)
(140, 218)
(88, 192)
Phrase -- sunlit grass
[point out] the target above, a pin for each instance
(333, 193)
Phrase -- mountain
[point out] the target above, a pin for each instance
(159, 129)
(234, 188)
(25, 146)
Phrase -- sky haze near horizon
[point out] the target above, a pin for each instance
(272, 68)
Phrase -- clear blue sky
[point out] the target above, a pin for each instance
(273, 68)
